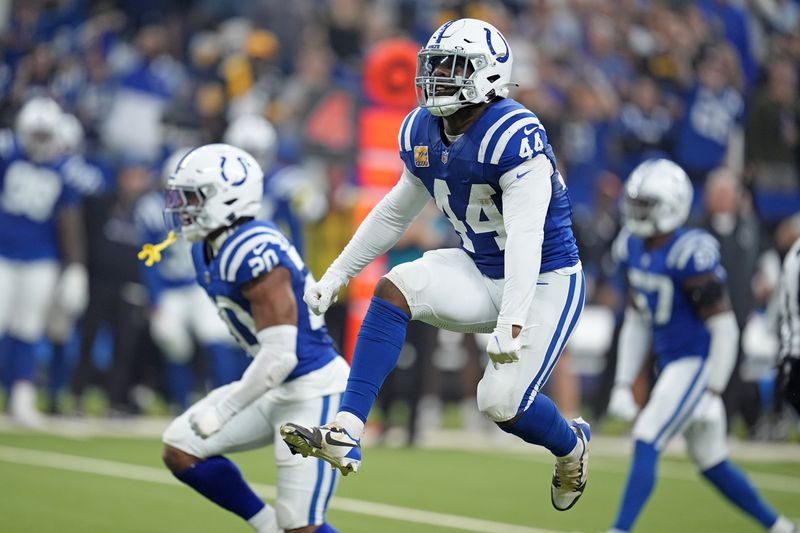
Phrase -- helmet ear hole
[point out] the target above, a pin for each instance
(493, 78)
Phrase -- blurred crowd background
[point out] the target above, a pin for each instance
(313, 87)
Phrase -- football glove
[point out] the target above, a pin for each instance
(323, 293)
(207, 420)
(502, 347)
(72, 290)
(622, 403)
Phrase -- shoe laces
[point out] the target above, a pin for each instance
(568, 473)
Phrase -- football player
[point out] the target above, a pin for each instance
(679, 303)
(41, 244)
(256, 279)
(180, 309)
(486, 161)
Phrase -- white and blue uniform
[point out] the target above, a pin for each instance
(679, 335)
(31, 195)
(463, 289)
(310, 393)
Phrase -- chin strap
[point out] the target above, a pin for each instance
(151, 253)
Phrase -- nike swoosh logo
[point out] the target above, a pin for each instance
(334, 442)
(527, 131)
(522, 174)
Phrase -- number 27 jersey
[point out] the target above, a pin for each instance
(252, 250)
(463, 179)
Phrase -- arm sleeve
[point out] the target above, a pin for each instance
(384, 225)
(723, 349)
(632, 347)
(272, 364)
(526, 197)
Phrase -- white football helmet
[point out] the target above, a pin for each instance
(465, 62)
(212, 187)
(37, 125)
(255, 135)
(658, 198)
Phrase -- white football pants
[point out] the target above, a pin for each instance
(304, 485)
(183, 313)
(677, 405)
(26, 291)
(445, 289)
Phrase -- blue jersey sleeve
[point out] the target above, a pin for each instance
(405, 141)
(524, 140)
(695, 253)
(257, 256)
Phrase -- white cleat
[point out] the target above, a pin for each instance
(570, 474)
(22, 406)
(330, 443)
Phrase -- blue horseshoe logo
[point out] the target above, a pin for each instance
(225, 178)
(500, 59)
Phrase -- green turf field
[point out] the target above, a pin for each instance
(47, 484)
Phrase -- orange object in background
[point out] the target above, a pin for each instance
(389, 72)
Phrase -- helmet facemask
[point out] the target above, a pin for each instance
(445, 80)
(640, 215)
(184, 211)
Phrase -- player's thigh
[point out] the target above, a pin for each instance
(706, 435)
(8, 292)
(508, 389)
(36, 285)
(672, 401)
(169, 325)
(207, 325)
(247, 430)
(305, 485)
(445, 289)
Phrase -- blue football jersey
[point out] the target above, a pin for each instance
(656, 279)
(463, 179)
(254, 249)
(30, 196)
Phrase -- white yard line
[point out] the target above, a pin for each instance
(103, 467)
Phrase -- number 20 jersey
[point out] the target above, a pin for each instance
(255, 248)
(656, 278)
(463, 179)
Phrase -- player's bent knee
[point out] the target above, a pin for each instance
(177, 460)
(496, 402)
(388, 291)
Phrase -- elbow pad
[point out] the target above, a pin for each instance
(707, 294)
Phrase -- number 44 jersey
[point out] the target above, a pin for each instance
(253, 249)
(656, 282)
(463, 178)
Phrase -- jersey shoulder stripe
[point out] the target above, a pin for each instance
(265, 244)
(233, 243)
(696, 246)
(500, 147)
(490, 133)
(404, 135)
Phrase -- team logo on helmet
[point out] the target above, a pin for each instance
(235, 182)
(500, 58)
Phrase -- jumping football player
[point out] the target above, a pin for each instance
(485, 160)
(256, 279)
(677, 300)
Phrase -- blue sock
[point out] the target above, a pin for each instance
(380, 340)
(735, 486)
(21, 360)
(542, 424)
(218, 479)
(226, 363)
(326, 528)
(179, 383)
(641, 480)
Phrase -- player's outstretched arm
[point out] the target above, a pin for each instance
(380, 231)
(526, 197)
(710, 300)
(633, 346)
(274, 311)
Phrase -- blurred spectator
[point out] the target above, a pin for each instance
(117, 300)
(773, 140)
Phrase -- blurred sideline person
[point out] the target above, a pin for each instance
(41, 245)
(486, 161)
(679, 301)
(180, 310)
(256, 279)
(789, 321)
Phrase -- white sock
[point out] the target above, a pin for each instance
(782, 525)
(576, 452)
(351, 423)
(265, 521)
